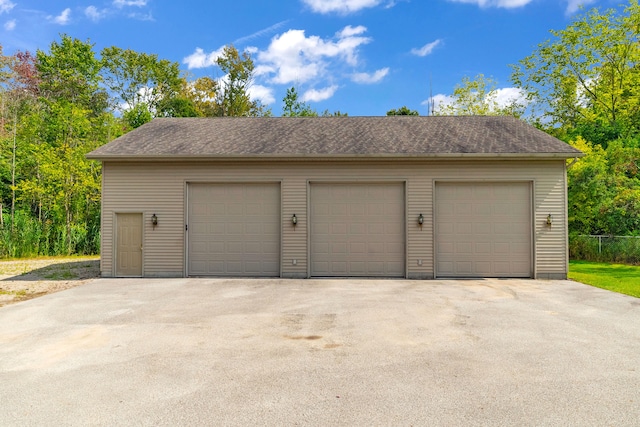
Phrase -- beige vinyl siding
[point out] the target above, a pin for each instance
(160, 188)
(551, 241)
(420, 239)
(146, 189)
(294, 201)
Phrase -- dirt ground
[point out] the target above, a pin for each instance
(29, 278)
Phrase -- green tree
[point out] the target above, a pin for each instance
(57, 183)
(202, 93)
(138, 115)
(232, 96)
(585, 80)
(479, 97)
(402, 111)
(18, 91)
(294, 107)
(337, 113)
(70, 73)
(584, 87)
(138, 78)
(604, 189)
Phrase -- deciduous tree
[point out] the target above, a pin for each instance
(479, 96)
(403, 111)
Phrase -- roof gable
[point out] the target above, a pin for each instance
(301, 137)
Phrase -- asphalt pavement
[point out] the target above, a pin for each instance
(169, 352)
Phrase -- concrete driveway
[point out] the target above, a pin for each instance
(322, 352)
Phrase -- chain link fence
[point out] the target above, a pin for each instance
(620, 249)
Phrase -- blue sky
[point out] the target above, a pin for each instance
(363, 57)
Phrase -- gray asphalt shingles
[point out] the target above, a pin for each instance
(399, 136)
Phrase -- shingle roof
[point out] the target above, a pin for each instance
(295, 137)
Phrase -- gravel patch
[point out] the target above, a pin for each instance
(29, 278)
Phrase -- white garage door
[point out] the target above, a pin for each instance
(483, 230)
(234, 230)
(357, 230)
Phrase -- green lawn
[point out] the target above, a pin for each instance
(624, 279)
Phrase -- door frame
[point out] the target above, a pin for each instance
(532, 212)
(402, 181)
(115, 241)
(186, 201)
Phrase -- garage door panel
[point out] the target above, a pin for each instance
(483, 267)
(339, 209)
(339, 229)
(376, 248)
(464, 228)
(502, 248)
(320, 248)
(358, 248)
(483, 229)
(339, 248)
(340, 268)
(464, 248)
(356, 229)
(234, 229)
(356, 209)
(483, 248)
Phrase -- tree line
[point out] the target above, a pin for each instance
(582, 86)
(60, 104)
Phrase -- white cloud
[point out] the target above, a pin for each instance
(63, 18)
(366, 78)
(426, 49)
(294, 57)
(141, 16)
(94, 14)
(10, 25)
(574, 5)
(508, 95)
(319, 95)
(200, 59)
(349, 31)
(340, 6)
(123, 3)
(6, 6)
(438, 101)
(262, 93)
(505, 4)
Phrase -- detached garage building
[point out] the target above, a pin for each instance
(414, 197)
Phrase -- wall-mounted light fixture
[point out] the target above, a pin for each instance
(420, 220)
(154, 220)
(294, 220)
(549, 220)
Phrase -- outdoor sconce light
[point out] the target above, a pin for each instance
(420, 220)
(154, 220)
(294, 220)
(549, 220)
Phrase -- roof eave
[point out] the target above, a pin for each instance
(336, 157)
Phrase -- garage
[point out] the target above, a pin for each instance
(234, 229)
(357, 229)
(483, 229)
(298, 197)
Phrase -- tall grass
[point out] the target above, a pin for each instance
(29, 238)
